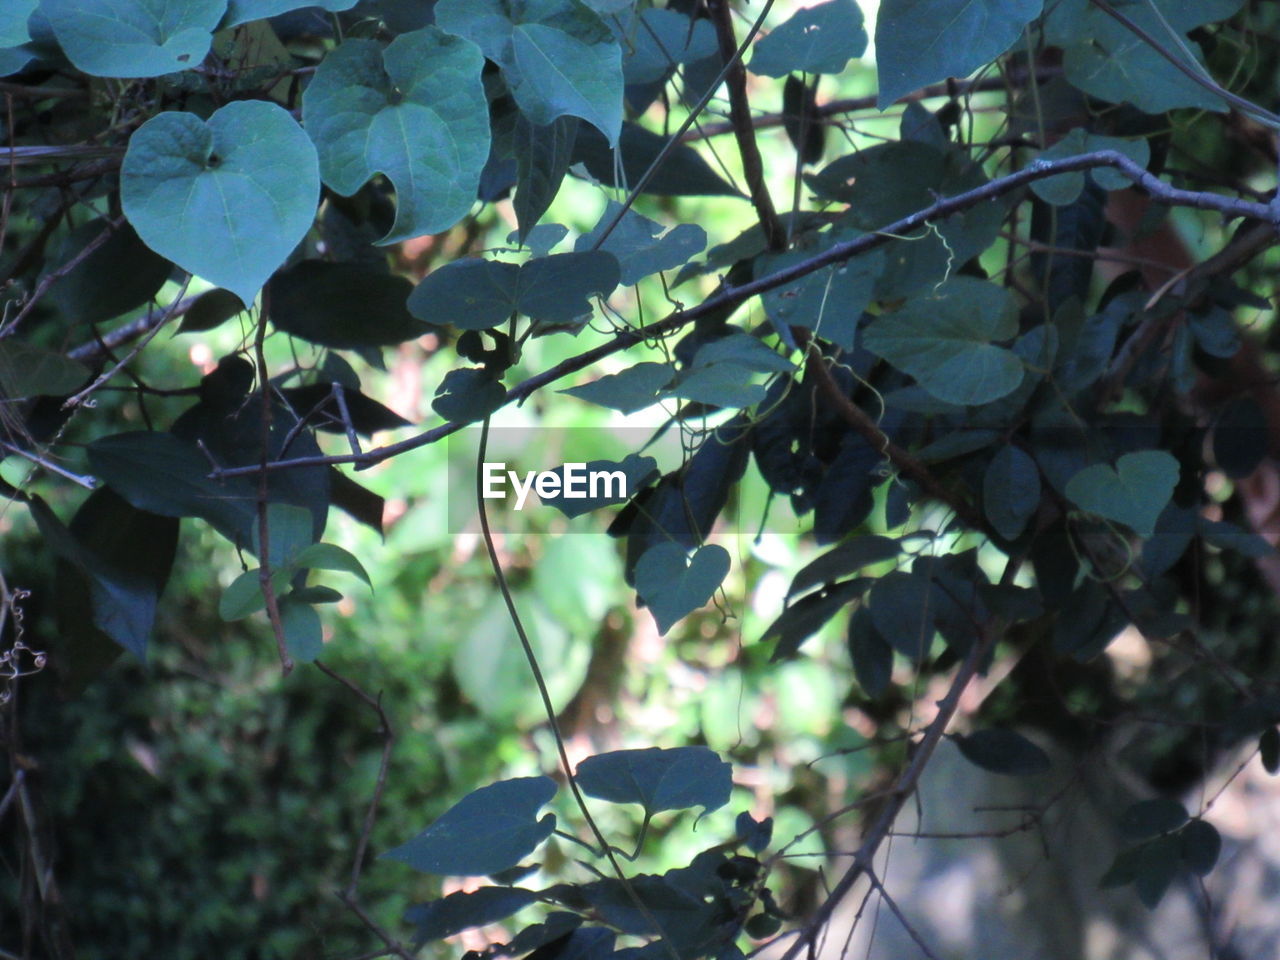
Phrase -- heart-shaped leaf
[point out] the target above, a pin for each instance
(673, 585)
(1133, 492)
(657, 779)
(1003, 751)
(1010, 491)
(414, 112)
(818, 39)
(946, 342)
(242, 11)
(461, 910)
(344, 305)
(486, 831)
(228, 198)
(629, 390)
(557, 56)
(13, 21)
(134, 38)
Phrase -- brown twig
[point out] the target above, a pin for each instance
(740, 116)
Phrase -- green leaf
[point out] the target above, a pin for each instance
(557, 56)
(115, 278)
(809, 614)
(468, 395)
(330, 556)
(672, 779)
(303, 633)
(1065, 188)
(919, 42)
(242, 597)
(903, 612)
(872, 656)
(659, 40)
(636, 243)
(486, 831)
(461, 911)
(682, 173)
(818, 39)
(471, 294)
(1105, 59)
(1216, 332)
(13, 21)
(289, 530)
(1010, 491)
(161, 474)
(830, 301)
(134, 38)
(741, 350)
(673, 585)
(228, 198)
(848, 557)
(1227, 536)
(27, 371)
(1269, 747)
(946, 342)
(242, 11)
(629, 390)
(1003, 751)
(719, 385)
(415, 112)
(543, 155)
(1134, 492)
(346, 305)
(1151, 818)
(637, 471)
(558, 289)
(211, 309)
(1201, 845)
(1156, 868)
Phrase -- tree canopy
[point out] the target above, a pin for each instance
(870, 357)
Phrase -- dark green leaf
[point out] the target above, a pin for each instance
(1201, 844)
(1010, 491)
(543, 155)
(1216, 332)
(1227, 536)
(852, 555)
(115, 278)
(343, 305)
(810, 614)
(1003, 751)
(817, 39)
(558, 289)
(367, 416)
(329, 556)
(756, 834)
(872, 656)
(461, 911)
(922, 41)
(1157, 866)
(946, 342)
(800, 118)
(226, 198)
(628, 391)
(1150, 818)
(1065, 188)
(134, 38)
(486, 831)
(672, 779)
(415, 112)
(471, 294)
(242, 11)
(683, 173)
(636, 470)
(1134, 492)
(903, 612)
(673, 585)
(1240, 438)
(468, 395)
(557, 57)
(27, 371)
(303, 633)
(211, 309)
(636, 243)
(1269, 747)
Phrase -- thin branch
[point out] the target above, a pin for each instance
(731, 297)
(906, 784)
(548, 707)
(394, 946)
(388, 741)
(912, 932)
(89, 483)
(740, 116)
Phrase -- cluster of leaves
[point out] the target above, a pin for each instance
(909, 357)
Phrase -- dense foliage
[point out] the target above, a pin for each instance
(940, 370)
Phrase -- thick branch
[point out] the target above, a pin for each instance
(837, 253)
